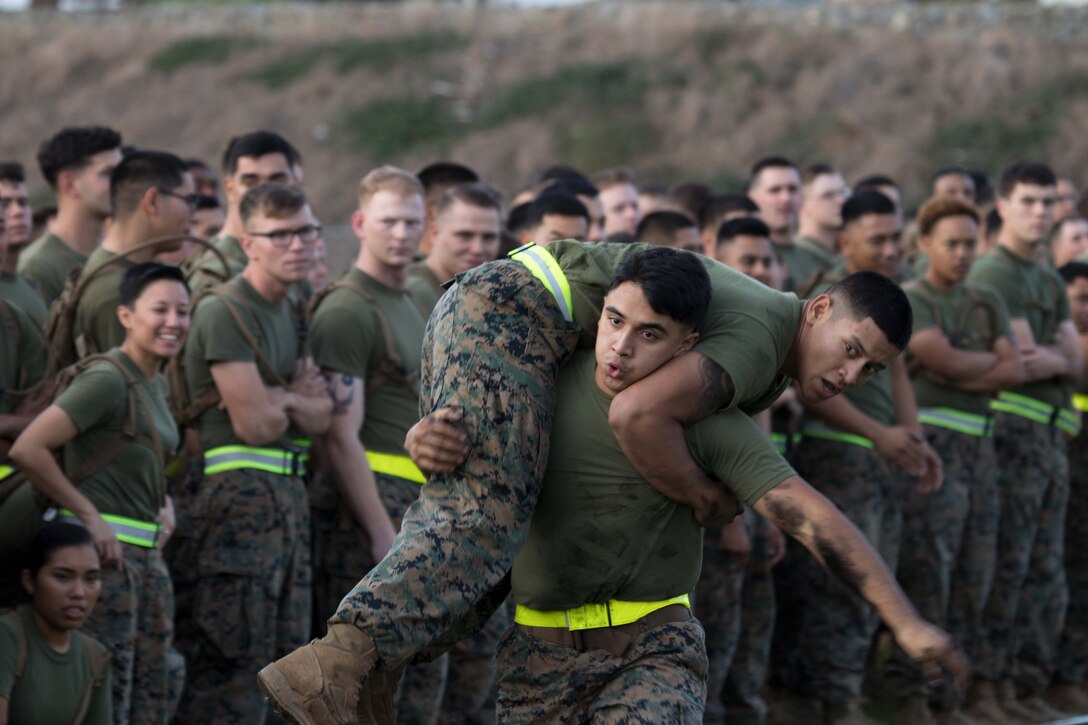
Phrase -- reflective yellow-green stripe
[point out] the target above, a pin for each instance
(127, 531)
(592, 616)
(957, 420)
(392, 464)
(781, 442)
(271, 460)
(1068, 421)
(5, 471)
(543, 266)
(1080, 402)
(822, 431)
(1034, 410)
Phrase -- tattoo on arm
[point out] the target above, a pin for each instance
(341, 389)
(716, 390)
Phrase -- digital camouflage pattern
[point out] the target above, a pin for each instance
(470, 685)
(244, 589)
(946, 562)
(134, 620)
(1072, 666)
(475, 519)
(659, 678)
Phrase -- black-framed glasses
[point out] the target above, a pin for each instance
(282, 238)
(191, 200)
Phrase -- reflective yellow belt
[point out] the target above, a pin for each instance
(783, 441)
(5, 471)
(128, 531)
(392, 464)
(544, 267)
(271, 460)
(591, 616)
(957, 420)
(816, 429)
(1037, 411)
(1080, 402)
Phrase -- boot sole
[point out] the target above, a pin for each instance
(278, 691)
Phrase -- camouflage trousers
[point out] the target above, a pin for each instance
(659, 678)
(946, 562)
(1023, 616)
(342, 555)
(1072, 665)
(493, 347)
(470, 686)
(735, 602)
(243, 590)
(824, 629)
(134, 619)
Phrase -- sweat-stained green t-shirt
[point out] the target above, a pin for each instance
(346, 336)
(22, 355)
(17, 290)
(1033, 292)
(47, 262)
(214, 337)
(52, 684)
(96, 311)
(972, 319)
(874, 398)
(131, 484)
(748, 328)
(426, 288)
(599, 530)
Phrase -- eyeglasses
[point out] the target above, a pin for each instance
(191, 200)
(282, 238)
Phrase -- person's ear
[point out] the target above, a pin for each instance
(687, 343)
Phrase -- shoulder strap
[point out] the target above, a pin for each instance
(231, 299)
(99, 661)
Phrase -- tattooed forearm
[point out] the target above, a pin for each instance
(716, 390)
(341, 390)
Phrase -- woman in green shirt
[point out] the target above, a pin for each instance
(49, 673)
(122, 502)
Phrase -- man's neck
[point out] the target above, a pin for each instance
(937, 281)
(790, 365)
(268, 287)
(9, 259)
(393, 277)
(782, 237)
(1023, 250)
(124, 235)
(233, 226)
(827, 238)
(79, 229)
(441, 274)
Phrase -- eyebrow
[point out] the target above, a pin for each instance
(877, 367)
(643, 326)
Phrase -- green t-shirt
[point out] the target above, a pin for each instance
(346, 336)
(97, 402)
(209, 270)
(874, 398)
(52, 684)
(1033, 292)
(425, 287)
(22, 355)
(600, 531)
(47, 262)
(748, 328)
(804, 260)
(96, 311)
(214, 337)
(17, 290)
(972, 319)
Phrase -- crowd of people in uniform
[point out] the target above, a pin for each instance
(212, 452)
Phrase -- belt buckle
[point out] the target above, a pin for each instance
(588, 616)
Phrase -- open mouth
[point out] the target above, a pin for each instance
(827, 389)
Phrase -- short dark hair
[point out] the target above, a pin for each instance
(660, 227)
(994, 222)
(555, 172)
(870, 295)
(255, 144)
(138, 278)
(940, 207)
(203, 203)
(873, 182)
(812, 171)
(517, 219)
(769, 162)
(441, 175)
(690, 196)
(720, 206)
(572, 185)
(558, 204)
(949, 171)
(53, 536)
(71, 148)
(674, 281)
(12, 172)
(864, 203)
(1025, 172)
(275, 199)
(138, 172)
(474, 194)
(1072, 271)
(744, 226)
(984, 187)
(193, 163)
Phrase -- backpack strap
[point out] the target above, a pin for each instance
(232, 300)
(99, 661)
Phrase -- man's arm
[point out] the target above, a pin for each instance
(258, 414)
(648, 419)
(310, 408)
(803, 513)
(1063, 359)
(350, 468)
(898, 443)
(935, 352)
(1008, 373)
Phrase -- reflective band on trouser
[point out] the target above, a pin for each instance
(1037, 411)
(392, 464)
(544, 267)
(816, 429)
(272, 460)
(128, 531)
(970, 423)
(591, 616)
(6, 471)
(1080, 402)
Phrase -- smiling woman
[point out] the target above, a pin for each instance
(114, 424)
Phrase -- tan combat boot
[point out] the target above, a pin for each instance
(1014, 707)
(1069, 698)
(318, 684)
(983, 705)
(914, 710)
(1040, 710)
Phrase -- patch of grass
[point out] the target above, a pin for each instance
(392, 126)
(283, 72)
(203, 49)
(597, 142)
